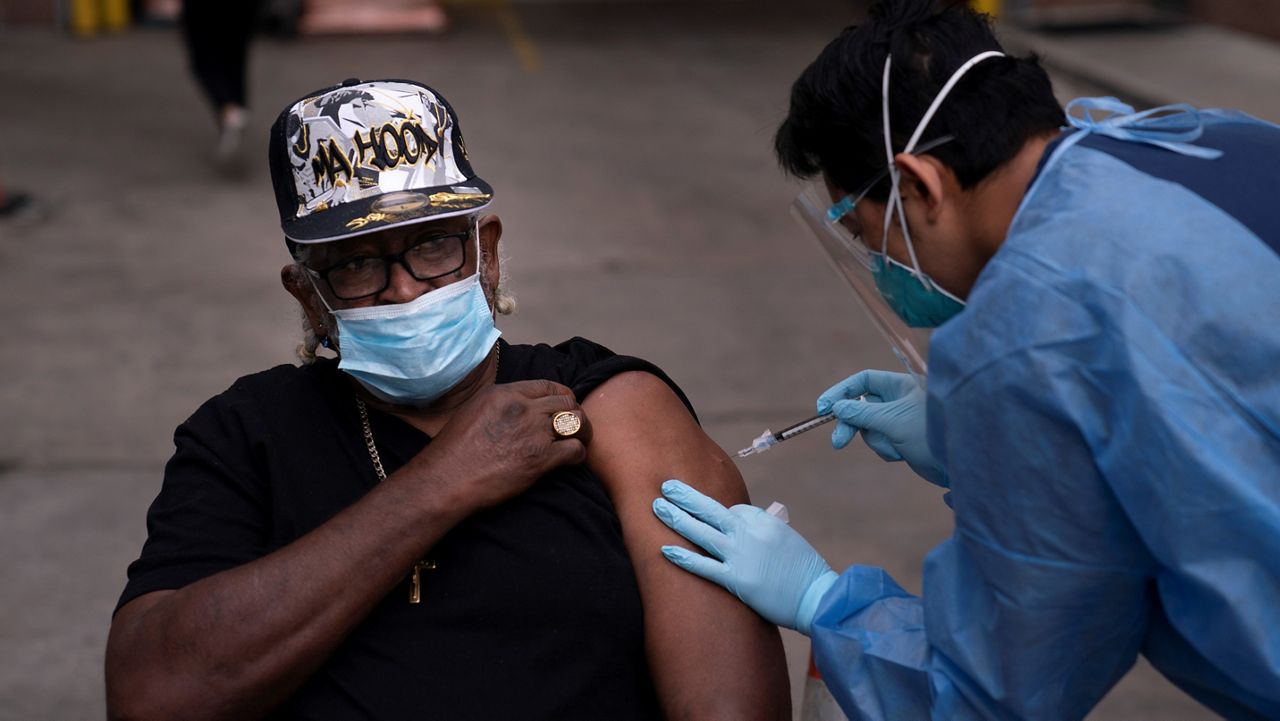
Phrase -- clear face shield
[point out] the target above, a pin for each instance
(855, 262)
(916, 298)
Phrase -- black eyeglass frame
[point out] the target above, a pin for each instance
(847, 203)
(461, 236)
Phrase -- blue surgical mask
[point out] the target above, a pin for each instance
(412, 353)
(919, 305)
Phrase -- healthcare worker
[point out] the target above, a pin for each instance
(1103, 389)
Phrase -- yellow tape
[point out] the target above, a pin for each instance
(521, 44)
(990, 7)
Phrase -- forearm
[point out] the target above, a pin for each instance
(235, 644)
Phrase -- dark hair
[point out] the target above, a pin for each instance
(834, 125)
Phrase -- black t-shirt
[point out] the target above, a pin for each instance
(532, 611)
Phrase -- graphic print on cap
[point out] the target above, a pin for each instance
(369, 156)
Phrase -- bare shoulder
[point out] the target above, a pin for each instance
(639, 407)
(644, 434)
(634, 397)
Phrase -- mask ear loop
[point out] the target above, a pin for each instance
(895, 193)
(332, 318)
(311, 279)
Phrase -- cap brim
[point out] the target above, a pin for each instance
(380, 212)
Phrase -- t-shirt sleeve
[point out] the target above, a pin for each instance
(212, 512)
(595, 364)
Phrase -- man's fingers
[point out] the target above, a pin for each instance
(554, 403)
(539, 388)
(704, 508)
(568, 452)
(708, 538)
(698, 565)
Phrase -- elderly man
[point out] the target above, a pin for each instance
(420, 527)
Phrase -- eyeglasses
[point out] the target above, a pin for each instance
(846, 204)
(427, 259)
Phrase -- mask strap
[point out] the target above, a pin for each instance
(311, 279)
(332, 318)
(946, 90)
(475, 230)
(895, 194)
(888, 151)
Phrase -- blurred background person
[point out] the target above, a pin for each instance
(14, 205)
(217, 35)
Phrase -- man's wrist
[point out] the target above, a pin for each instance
(431, 490)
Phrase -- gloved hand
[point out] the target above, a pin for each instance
(758, 557)
(891, 418)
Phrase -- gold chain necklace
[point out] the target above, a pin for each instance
(415, 580)
(368, 441)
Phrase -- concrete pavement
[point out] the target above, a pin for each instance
(642, 207)
(1206, 66)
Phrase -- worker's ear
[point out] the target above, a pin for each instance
(923, 178)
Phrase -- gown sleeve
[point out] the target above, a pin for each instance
(1037, 605)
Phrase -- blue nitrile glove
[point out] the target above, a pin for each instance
(891, 418)
(759, 558)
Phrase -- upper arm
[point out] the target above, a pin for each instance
(211, 513)
(711, 655)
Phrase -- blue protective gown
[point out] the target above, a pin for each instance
(1108, 410)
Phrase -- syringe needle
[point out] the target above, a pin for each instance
(768, 439)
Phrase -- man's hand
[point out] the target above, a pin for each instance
(504, 440)
(891, 416)
(760, 559)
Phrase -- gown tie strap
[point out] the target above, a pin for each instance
(1172, 127)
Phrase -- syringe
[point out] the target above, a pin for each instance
(769, 439)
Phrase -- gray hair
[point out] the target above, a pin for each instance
(504, 302)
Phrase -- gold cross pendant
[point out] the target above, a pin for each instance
(415, 579)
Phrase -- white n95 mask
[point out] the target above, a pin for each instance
(412, 353)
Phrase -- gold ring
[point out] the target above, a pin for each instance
(566, 424)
